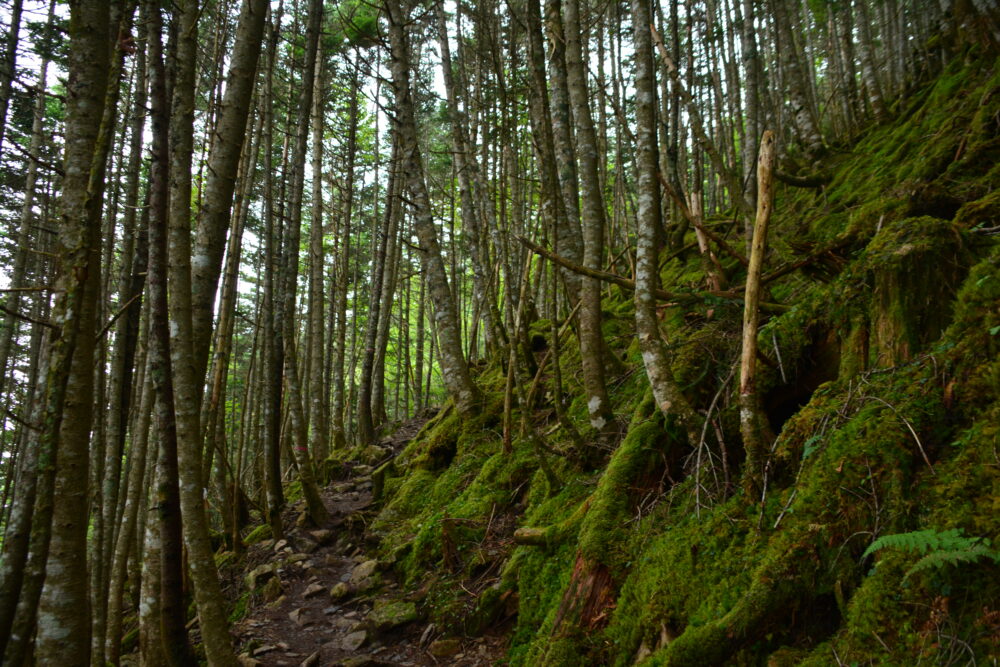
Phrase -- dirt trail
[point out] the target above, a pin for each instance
(322, 600)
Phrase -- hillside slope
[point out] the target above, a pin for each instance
(882, 379)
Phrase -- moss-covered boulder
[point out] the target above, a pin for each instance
(390, 615)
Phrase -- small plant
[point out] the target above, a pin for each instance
(948, 547)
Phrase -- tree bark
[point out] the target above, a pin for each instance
(756, 432)
(454, 369)
(656, 359)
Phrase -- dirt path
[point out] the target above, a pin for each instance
(321, 600)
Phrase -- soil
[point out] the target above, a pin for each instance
(302, 624)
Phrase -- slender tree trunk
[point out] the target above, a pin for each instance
(593, 223)
(223, 164)
(757, 435)
(319, 434)
(290, 268)
(454, 369)
(656, 359)
(8, 67)
(338, 416)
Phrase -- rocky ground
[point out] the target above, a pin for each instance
(320, 599)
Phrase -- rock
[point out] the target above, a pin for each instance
(392, 615)
(322, 536)
(362, 471)
(313, 589)
(353, 641)
(261, 650)
(368, 584)
(343, 487)
(443, 648)
(363, 571)
(259, 574)
(428, 632)
(307, 546)
(340, 591)
(246, 661)
(296, 558)
(272, 589)
(311, 661)
(280, 544)
(298, 617)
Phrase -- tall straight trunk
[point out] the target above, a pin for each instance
(552, 208)
(391, 267)
(172, 613)
(337, 416)
(188, 379)
(454, 369)
(290, 267)
(656, 359)
(570, 237)
(869, 67)
(593, 223)
(27, 221)
(319, 433)
(465, 166)
(130, 285)
(223, 163)
(134, 497)
(63, 633)
(365, 412)
(796, 82)
(8, 67)
(150, 635)
(271, 351)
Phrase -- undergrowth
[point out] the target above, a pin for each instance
(873, 538)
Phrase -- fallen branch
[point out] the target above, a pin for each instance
(679, 298)
(817, 180)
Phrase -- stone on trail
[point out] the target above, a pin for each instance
(313, 589)
(363, 571)
(272, 589)
(443, 648)
(259, 574)
(322, 536)
(353, 641)
(340, 591)
(311, 661)
(246, 661)
(298, 617)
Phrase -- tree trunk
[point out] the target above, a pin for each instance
(454, 369)
(593, 214)
(656, 359)
(756, 432)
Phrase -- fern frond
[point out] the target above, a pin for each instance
(941, 558)
(924, 541)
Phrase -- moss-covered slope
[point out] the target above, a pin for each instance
(882, 379)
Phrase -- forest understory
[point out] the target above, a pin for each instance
(528, 333)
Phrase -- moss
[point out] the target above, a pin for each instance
(258, 534)
(886, 395)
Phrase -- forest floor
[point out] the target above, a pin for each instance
(325, 601)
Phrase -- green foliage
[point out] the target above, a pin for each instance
(948, 547)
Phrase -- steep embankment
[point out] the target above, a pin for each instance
(882, 379)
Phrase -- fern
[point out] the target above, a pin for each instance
(940, 548)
